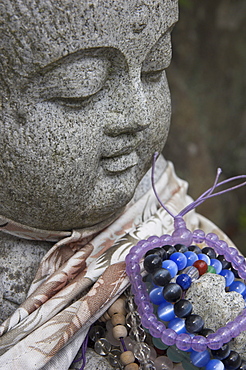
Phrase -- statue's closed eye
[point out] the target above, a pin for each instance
(152, 76)
(76, 82)
(158, 58)
(72, 102)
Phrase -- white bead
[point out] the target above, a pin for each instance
(118, 319)
(127, 357)
(117, 307)
(119, 331)
(132, 366)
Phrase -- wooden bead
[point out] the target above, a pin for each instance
(127, 357)
(132, 366)
(119, 331)
(117, 307)
(106, 316)
(118, 319)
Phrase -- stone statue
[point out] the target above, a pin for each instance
(84, 104)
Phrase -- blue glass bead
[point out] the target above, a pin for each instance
(215, 365)
(194, 323)
(221, 353)
(161, 277)
(204, 257)
(238, 286)
(228, 275)
(209, 252)
(171, 266)
(195, 249)
(233, 361)
(169, 249)
(191, 257)
(182, 308)
(178, 325)
(180, 260)
(152, 262)
(181, 248)
(200, 359)
(156, 296)
(165, 311)
(184, 281)
(216, 264)
(225, 263)
(172, 293)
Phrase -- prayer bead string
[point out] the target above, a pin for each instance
(152, 263)
(145, 309)
(182, 308)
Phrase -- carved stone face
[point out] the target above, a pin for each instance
(85, 105)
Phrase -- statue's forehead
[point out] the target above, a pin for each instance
(133, 27)
(52, 29)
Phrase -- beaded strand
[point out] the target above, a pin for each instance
(145, 309)
(183, 308)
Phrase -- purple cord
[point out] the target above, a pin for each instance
(206, 195)
(83, 350)
(145, 308)
(185, 236)
(123, 344)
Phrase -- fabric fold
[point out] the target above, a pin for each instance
(77, 281)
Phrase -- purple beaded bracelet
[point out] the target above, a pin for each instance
(145, 308)
(182, 235)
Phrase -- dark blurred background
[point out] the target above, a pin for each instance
(207, 78)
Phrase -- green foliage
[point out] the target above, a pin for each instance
(186, 3)
(242, 218)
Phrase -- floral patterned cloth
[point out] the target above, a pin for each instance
(80, 277)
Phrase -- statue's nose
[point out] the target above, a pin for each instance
(129, 113)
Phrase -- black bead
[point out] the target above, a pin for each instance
(159, 251)
(235, 273)
(194, 323)
(209, 252)
(242, 366)
(221, 353)
(172, 292)
(169, 250)
(225, 263)
(161, 277)
(181, 248)
(205, 332)
(152, 262)
(233, 361)
(183, 308)
(195, 249)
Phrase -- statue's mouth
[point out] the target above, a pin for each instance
(121, 145)
(120, 163)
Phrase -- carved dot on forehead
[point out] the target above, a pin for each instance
(140, 17)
